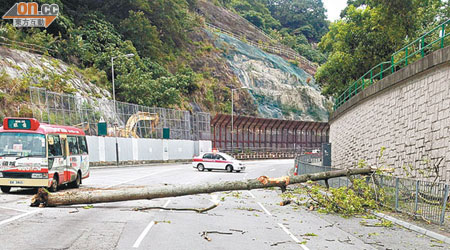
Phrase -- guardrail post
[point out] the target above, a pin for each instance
(443, 36)
(421, 47)
(392, 64)
(406, 56)
(417, 197)
(371, 76)
(396, 193)
(444, 204)
(381, 72)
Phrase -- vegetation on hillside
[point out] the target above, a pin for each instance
(368, 32)
(88, 34)
(173, 63)
(299, 24)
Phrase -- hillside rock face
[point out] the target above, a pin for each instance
(280, 89)
(276, 87)
(228, 20)
(20, 70)
(35, 70)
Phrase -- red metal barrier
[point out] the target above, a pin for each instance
(254, 132)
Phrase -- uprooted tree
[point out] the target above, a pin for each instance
(44, 198)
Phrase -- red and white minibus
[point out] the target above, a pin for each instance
(41, 155)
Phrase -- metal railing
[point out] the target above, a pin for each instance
(421, 199)
(427, 43)
(86, 112)
(298, 150)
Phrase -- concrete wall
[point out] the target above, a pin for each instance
(407, 113)
(103, 149)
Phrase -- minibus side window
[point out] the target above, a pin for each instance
(54, 146)
(83, 145)
(73, 145)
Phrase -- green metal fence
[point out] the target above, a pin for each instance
(421, 199)
(434, 39)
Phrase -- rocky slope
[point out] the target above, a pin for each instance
(280, 89)
(20, 69)
(19, 64)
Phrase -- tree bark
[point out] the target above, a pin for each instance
(44, 198)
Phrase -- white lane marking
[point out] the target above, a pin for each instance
(19, 210)
(251, 194)
(165, 205)
(265, 210)
(147, 229)
(292, 236)
(142, 177)
(17, 217)
(273, 169)
(143, 234)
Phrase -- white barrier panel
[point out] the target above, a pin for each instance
(103, 149)
(204, 146)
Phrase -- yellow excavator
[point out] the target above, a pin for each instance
(84, 126)
(130, 129)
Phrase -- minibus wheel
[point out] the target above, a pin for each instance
(77, 182)
(5, 189)
(55, 184)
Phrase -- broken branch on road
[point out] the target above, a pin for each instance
(91, 196)
(204, 234)
(198, 210)
(278, 243)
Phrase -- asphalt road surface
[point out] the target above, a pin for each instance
(243, 220)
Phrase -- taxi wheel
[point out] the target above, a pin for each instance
(238, 171)
(229, 168)
(200, 167)
(209, 169)
(54, 186)
(6, 189)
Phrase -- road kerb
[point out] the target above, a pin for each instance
(404, 224)
(413, 227)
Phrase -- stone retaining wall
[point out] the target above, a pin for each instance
(401, 122)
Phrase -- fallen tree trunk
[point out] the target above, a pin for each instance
(44, 198)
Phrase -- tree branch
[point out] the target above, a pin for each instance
(124, 194)
(198, 210)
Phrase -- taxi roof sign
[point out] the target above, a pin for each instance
(21, 123)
